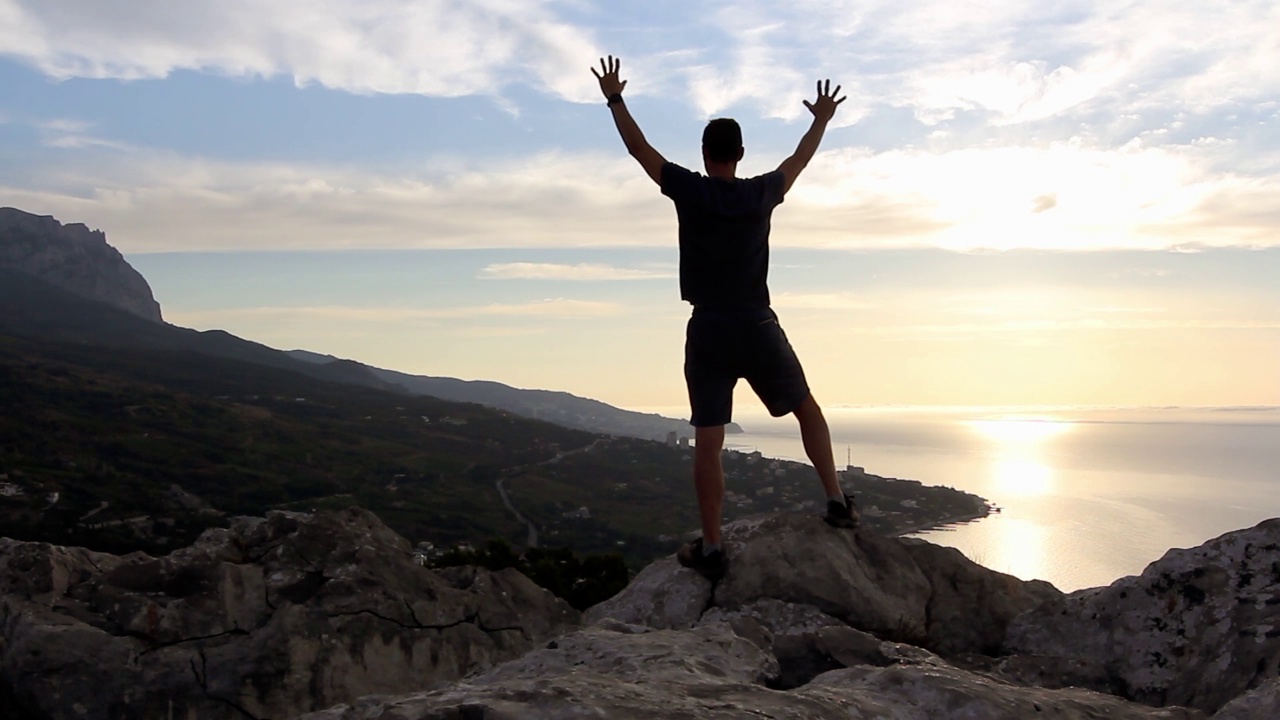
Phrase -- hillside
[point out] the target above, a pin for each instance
(141, 448)
(554, 406)
(122, 432)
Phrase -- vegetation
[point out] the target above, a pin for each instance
(125, 449)
(583, 582)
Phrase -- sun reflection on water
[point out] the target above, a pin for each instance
(1019, 476)
(1017, 448)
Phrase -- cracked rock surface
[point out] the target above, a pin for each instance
(268, 619)
(1198, 627)
(823, 624)
(897, 589)
(622, 672)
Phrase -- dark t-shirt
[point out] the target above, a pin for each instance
(724, 236)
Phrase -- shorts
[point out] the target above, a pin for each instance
(724, 345)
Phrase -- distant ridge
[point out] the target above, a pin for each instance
(554, 406)
(33, 308)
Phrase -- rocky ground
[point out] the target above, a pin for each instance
(326, 617)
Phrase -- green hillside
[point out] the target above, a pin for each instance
(122, 427)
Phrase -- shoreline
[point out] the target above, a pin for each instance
(943, 524)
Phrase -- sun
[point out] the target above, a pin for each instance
(1017, 446)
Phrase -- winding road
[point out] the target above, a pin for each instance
(532, 541)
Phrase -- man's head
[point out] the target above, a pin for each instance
(722, 141)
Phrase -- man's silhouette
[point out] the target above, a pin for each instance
(733, 333)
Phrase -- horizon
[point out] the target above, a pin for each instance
(1015, 207)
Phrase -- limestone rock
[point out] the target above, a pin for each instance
(970, 607)
(269, 618)
(1261, 703)
(864, 579)
(663, 595)
(74, 258)
(896, 589)
(1198, 627)
(709, 672)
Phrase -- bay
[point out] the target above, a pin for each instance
(1086, 495)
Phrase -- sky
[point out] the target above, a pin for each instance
(1074, 203)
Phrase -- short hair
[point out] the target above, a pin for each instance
(722, 140)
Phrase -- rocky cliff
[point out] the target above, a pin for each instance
(293, 613)
(268, 619)
(74, 258)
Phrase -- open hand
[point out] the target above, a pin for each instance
(609, 83)
(824, 108)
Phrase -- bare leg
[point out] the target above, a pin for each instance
(817, 444)
(708, 479)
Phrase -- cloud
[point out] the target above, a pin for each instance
(431, 47)
(818, 301)
(1007, 61)
(1138, 197)
(70, 134)
(1048, 201)
(586, 272)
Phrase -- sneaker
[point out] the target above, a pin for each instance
(712, 566)
(842, 514)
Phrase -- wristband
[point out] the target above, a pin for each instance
(614, 99)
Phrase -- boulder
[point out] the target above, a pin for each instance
(663, 595)
(970, 607)
(864, 579)
(269, 618)
(625, 672)
(1261, 703)
(1197, 628)
(896, 589)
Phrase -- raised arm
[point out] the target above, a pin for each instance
(651, 160)
(823, 109)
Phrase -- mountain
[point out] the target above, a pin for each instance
(558, 407)
(74, 258)
(328, 616)
(38, 251)
(33, 308)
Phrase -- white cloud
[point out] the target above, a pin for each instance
(819, 301)
(585, 272)
(1016, 61)
(432, 47)
(1138, 197)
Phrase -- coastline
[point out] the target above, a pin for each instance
(944, 524)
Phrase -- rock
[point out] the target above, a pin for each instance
(935, 692)
(75, 259)
(1197, 628)
(663, 595)
(1261, 703)
(970, 607)
(709, 672)
(269, 618)
(896, 589)
(866, 580)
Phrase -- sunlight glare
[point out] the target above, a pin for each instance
(1022, 476)
(1018, 467)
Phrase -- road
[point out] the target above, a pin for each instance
(511, 472)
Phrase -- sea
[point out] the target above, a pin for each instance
(1085, 495)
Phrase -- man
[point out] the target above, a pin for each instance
(733, 333)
